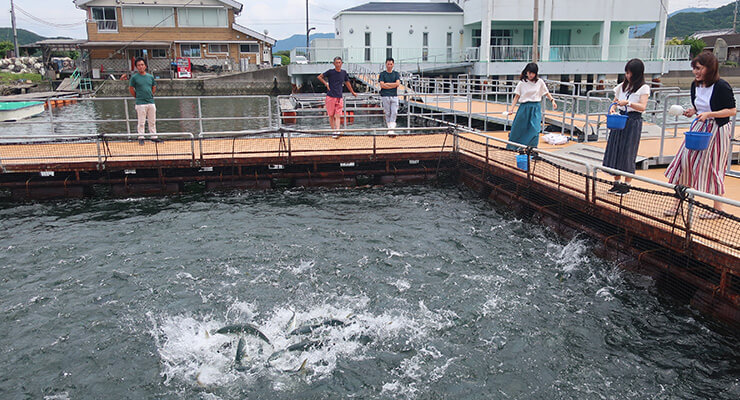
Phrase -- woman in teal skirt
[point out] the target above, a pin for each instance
(529, 91)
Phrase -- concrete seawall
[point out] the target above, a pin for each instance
(265, 81)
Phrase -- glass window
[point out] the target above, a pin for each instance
(190, 50)
(148, 16)
(105, 17)
(425, 39)
(249, 48)
(449, 39)
(218, 48)
(202, 17)
(367, 38)
(389, 39)
(159, 53)
(476, 38)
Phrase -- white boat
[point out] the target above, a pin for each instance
(17, 110)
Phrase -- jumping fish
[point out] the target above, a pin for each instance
(306, 329)
(239, 355)
(243, 328)
(292, 323)
(306, 345)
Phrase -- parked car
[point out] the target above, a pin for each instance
(300, 60)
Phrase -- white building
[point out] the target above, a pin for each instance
(575, 36)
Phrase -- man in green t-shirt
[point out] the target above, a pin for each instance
(390, 80)
(143, 86)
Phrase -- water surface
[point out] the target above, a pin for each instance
(109, 298)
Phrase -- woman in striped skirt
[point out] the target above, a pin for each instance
(622, 145)
(713, 104)
(529, 91)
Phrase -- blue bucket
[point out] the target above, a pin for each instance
(522, 162)
(697, 140)
(615, 121)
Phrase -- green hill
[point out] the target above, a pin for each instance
(685, 24)
(24, 36)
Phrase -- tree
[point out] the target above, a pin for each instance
(284, 56)
(6, 47)
(697, 45)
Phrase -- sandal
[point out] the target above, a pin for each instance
(709, 216)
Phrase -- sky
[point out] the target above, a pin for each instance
(281, 18)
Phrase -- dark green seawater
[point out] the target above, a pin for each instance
(106, 298)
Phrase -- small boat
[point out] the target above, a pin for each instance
(17, 110)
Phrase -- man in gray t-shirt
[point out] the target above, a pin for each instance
(389, 81)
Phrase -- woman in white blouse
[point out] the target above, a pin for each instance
(622, 145)
(529, 91)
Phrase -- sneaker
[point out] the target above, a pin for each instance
(157, 140)
(141, 140)
(335, 135)
(615, 188)
(624, 189)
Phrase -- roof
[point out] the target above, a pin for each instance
(126, 44)
(713, 32)
(406, 7)
(253, 33)
(231, 3)
(56, 43)
(732, 40)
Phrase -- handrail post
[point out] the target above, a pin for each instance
(51, 115)
(200, 116)
(126, 113)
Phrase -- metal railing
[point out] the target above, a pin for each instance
(128, 118)
(508, 53)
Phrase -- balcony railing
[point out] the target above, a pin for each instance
(520, 53)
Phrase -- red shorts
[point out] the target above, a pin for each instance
(334, 105)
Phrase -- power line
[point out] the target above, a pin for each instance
(52, 24)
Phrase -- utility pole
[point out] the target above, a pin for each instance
(535, 31)
(15, 34)
(307, 26)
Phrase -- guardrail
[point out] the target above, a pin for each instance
(129, 116)
(651, 202)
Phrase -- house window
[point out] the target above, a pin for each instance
(425, 46)
(190, 50)
(148, 16)
(476, 38)
(106, 19)
(218, 48)
(159, 53)
(449, 46)
(500, 37)
(367, 46)
(249, 48)
(389, 45)
(202, 17)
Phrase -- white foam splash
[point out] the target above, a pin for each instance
(302, 267)
(570, 256)
(199, 359)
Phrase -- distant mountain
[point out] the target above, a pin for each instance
(299, 41)
(685, 24)
(24, 36)
(639, 30)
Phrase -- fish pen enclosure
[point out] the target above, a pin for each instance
(692, 253)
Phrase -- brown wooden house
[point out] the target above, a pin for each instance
(161, 30)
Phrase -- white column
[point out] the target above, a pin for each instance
(546, 30)
(659, 40)
(485, 30)
(606, 30)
